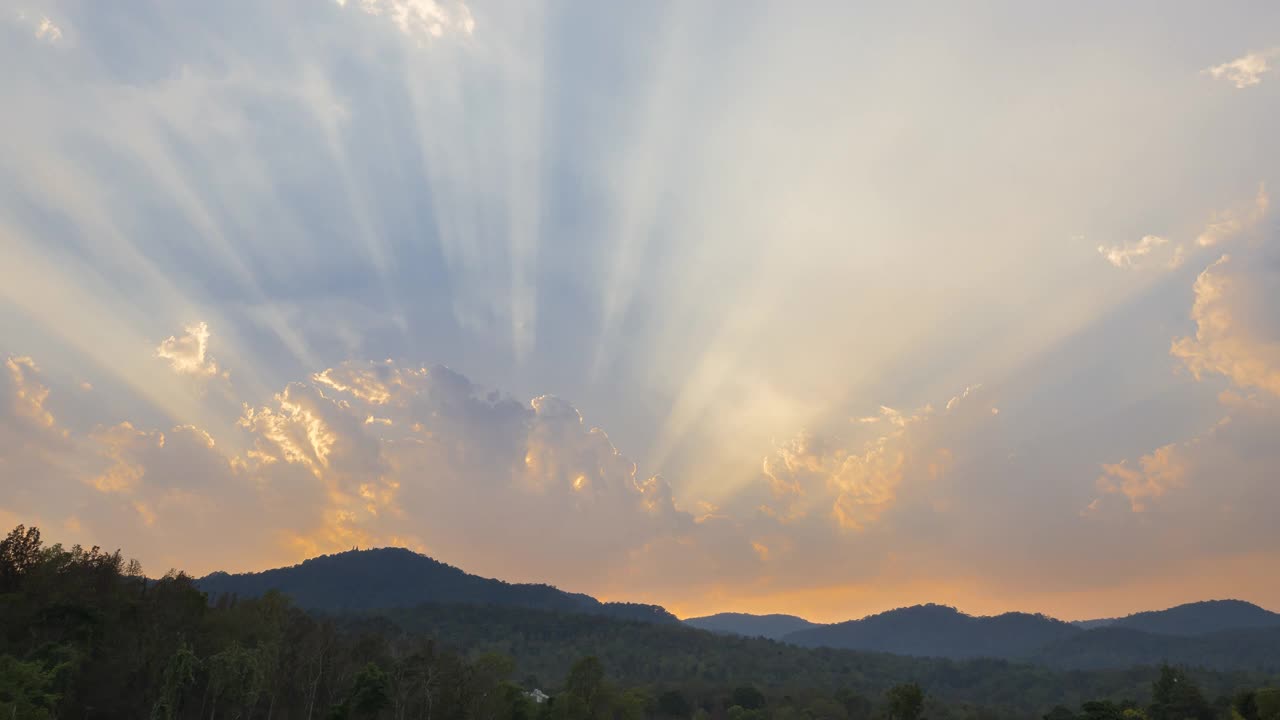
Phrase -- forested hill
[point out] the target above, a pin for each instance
(940, 631)
(774, 627)
(395, 577)
(1201, 618)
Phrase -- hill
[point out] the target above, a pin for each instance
(395, 577)
(546, 644)
(940, 631)
(774, 627)
(1119, 647)
(1201, 618)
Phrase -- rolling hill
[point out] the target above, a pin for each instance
(774, 627)
(939, 631)
(1201, 618)
(395, 577)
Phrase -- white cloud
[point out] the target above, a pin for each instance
(188, 354)
(1245, 71)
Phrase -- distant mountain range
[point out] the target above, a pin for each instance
(1219, 634)
(774, 627)
(939, 631)
(399, 578)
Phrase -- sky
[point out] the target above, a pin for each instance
(821, 308)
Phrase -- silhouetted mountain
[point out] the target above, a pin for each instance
(1116, 647)
(774, 627)
(1201, 618)
(1094, 624)
(940, 631)
(395, 577)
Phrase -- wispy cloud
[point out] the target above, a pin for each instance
(421, 19)
(1227, 224)
(1148, 251)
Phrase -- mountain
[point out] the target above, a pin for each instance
(544, 646)
(774, 627)
(395, 577)
(1201, 618)
(1113, 647)
(940, 631)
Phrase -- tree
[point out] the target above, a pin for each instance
(1268, 703)
(1175, 697)
(906, 701)
(19, 552)
(1060, 712)
(856, 706)
(747, 697)
(25, 690)
(1101, 710)
(673, 704)
(370, 692)
(1245, 704)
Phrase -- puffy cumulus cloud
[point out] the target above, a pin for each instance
(188, 354)
(1156, 474)
(1246, 71)
(853, 486)
(1150, 250)
(1237, 328)
(421, 20)
(1227, 224)
(443, 459)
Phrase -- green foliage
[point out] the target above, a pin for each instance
(26, 689)
(748, 697)
(1267, 701)
(906, 701)
(1174, 696)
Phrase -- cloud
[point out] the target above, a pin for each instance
(1227, 224)
(1237, 328)
(1142, 253)
(1245, 71)
(1156, 474)
(189, 354)
(29, 395)
(421, 20)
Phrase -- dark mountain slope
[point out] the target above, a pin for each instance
(395, 577)
(940, 631)
(1201, 618)
(1115, 647)
(774, 627)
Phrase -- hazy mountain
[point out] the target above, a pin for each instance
(767, 626)
(1116, 647)
(1200, 618)
(395, 577)
(940, 631)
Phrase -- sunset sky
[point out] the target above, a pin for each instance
(821, 308)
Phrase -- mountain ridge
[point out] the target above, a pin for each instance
(1205, 632)
(397, 577)
(774, 626)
